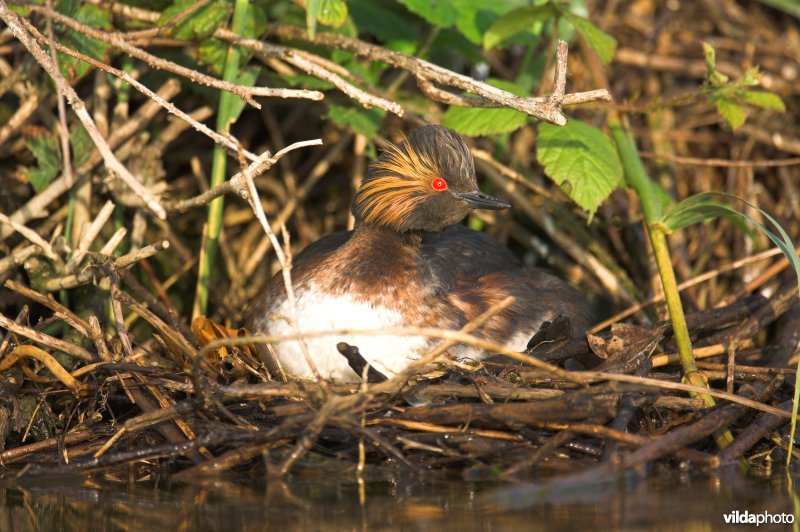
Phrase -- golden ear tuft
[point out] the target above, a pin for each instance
(400, 159)
(395, 185)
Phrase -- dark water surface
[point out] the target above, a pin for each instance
(670, 502)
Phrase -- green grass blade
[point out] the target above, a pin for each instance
(225, 115)
(705, 206)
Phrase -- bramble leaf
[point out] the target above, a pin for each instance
(332, 13)
(81, 144)
(73, 68)
(476, 16)
(477, 121)
(48, 157)
(474, 121)
(582, 160)
(365, 122)
(514, 23)
(440, 13)
(387, 22)
(212, 53)
(197, 25)
(601, 42)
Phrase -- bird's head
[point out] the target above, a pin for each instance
(426, 182)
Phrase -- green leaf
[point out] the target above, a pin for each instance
(664, 199)
(703, 206)
(71, 67)
(730, 109)
(582, 160)
(440, 13)
(48, 157)
(476, 16)
(365, 122)
(200, 24)
(81, 143)
(791, 7)
(476, 121)
(93, 16)
(600, 41)
(68, 7)
(386, 21)
(514, 23)
(692, 210)
(332, 13)
(766, 100)
(371, 152)
(212, 53)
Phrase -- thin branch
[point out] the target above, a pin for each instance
(118, 40)
(15, 24)
(63, 128)
(364, 98)
(96, 334)
(314, 68)
(232, 147)
(112, 243)
(32, 236)
(548, 109)
(37, 205)
(723, 163)
(560, 76)
(75, 321)
(45, 339)
(294, 201)
(688, 284)
(90, 235)
(17, 258)
(118, 318)
(92, 272)
(238, 183)
(285, 260)
(435, 93)
(26, 108)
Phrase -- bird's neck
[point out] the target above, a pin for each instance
(379, 237)
(373, 263)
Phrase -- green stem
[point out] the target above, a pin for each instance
(638, 179)
(63, 295)
(225, 113)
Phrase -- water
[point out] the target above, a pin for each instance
(666, 502)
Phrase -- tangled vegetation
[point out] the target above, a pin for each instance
(133, 234)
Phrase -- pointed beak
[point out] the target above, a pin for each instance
(479, 200)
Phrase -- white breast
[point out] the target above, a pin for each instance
(318, 312)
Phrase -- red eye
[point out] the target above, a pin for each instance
(439, 184)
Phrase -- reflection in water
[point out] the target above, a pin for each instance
(315, 504)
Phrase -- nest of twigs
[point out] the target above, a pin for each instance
(103, 371)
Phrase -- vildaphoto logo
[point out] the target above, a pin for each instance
(763, 518)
